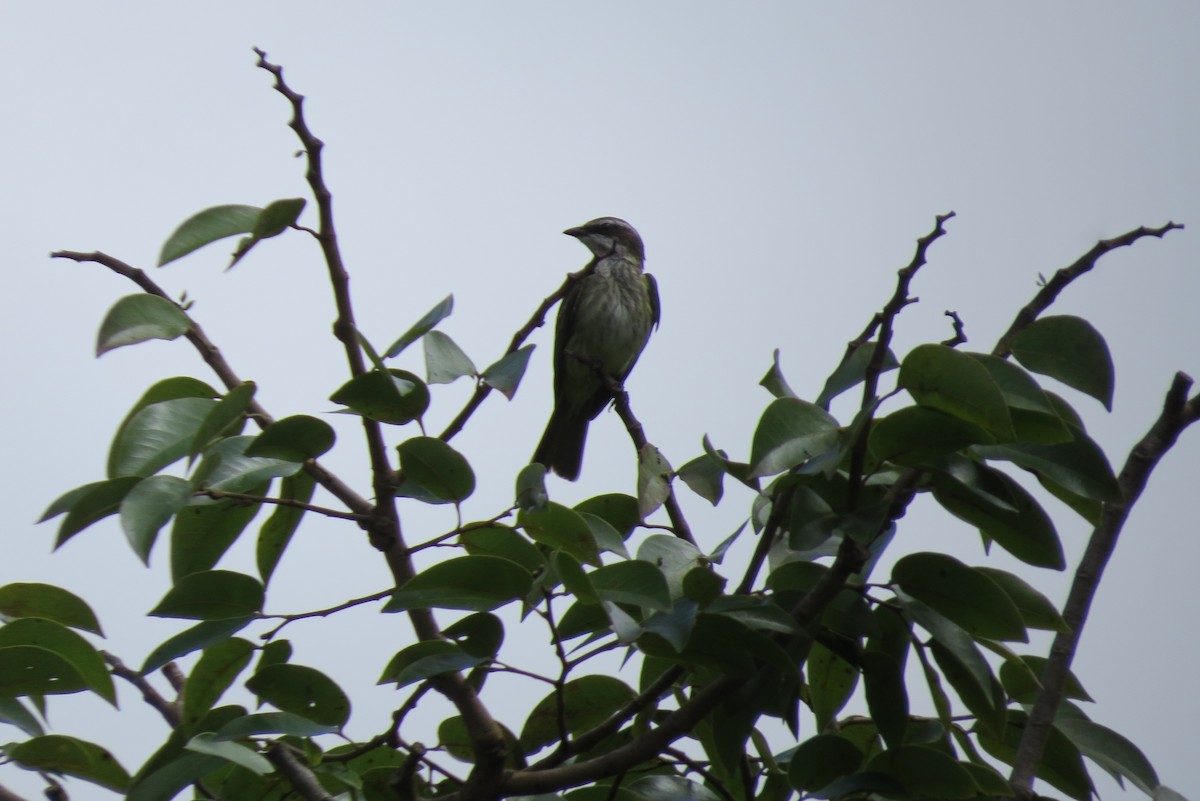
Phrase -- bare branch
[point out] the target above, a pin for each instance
(291, 503)
(1050, 290)
(287, 761)
(1177, 414)
(168, 709)
(8, 795)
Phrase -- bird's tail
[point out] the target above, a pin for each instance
(561, 448)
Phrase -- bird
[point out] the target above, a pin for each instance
(603, 324)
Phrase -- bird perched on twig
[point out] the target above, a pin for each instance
(603, 324)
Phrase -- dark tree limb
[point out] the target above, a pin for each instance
(679, 525)
(8, 795)
(168, 709)
(297, 774)
(1178, 413)
(1051, 289)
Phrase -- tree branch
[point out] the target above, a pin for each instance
(1177, 414)
(291, 503)
(303, 780)
(8, 795)
(1050, 290)
(168, 709)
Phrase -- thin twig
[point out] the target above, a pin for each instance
(1178, 413)
(291, 503)
(1050, 290)
(287, 761)
(366, 599)
(960, 334)
(168, 709)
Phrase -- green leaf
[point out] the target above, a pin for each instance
(1110, 751)
(212, 675)
(634, 582)
(607, 538)
(49, 602)
(887, 695)
(89, 504)
(453, 736)
(424, 660)
(294, 439)
(212, 595)
(157, 435)
(13, 712)
(68, 645)
(238, 754)
(147, 508)
(228, 416)
(925, 772)
(1035, 416)
(165, 781)
(790, 432)
(497, 540)
(273, 220)
(1023, 681)
(653, 480)
(208, 226)
(831, 682)
(193, 639)
(475, 583)
(940, 377)
(1070, 350)
(853, 371)
(444, 359)
(137, 318)
(203, 532)
(226, 466)
(585, 703)
(423, 326)
(1079, 466)
(506, 374)
(961, 593)
(774, 382)
(272, 723)
(1036, 609)
(395, 397)
(57, 753)
(561, 528)
(303, 691)
(953, 638)
(673, 557)
(1061, 765)
(620, 510)
(277, 531)
(819, 760)
(705, 477)
(31, 670)
(480, 634)
(1003, 511)
(914, 434)
(434, 472)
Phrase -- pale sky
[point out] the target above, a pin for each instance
(780, 160)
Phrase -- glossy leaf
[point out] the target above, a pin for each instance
(148, 507)
(607, 538)
(303, 691)
(953, 638)
(480, 634)
(295, 439)
(819, 760)
(444, 359)
(558, 527)
(434, 472)
(423, 326)
(887, 695)
(853, 371)
(1023, 682)
(396, 397)
(653, 480)
(505, 375)
(272, 723)
(13, 712)
(277, 531)
(1034, 415)
(585, 703)
(226, 466)
(620, 510)
(66, 644)
(774, 382)
(502, 541)
(191, 640)
(272, 221)
(56, 753)
(1036, 609)
(453, 736)
(634, 582)
(925, 772)
(1079, 466)
(1110, 751)
(915, 433)
(212, 595)
(424, 660)
(1069, 349)
(30, 670)
(49, 602)
(157, 435)
(227, 417)
(704, 476)
(212, 675)
(790, 432)
(940, 377)
(1061, 765)
(831, 682)
(531, 487)
(238, 754)
(206, 227)
(962, 594)
(138, 318)
(203, 532)
(1003, 511)
(475, 583)
(673, 557)
(165, 781)
(89, 504)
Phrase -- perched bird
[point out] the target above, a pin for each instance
(603, 324)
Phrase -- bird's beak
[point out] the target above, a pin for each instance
(575, 232)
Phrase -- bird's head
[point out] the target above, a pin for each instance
(606, 236)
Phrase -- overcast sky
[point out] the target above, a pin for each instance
(780, 160)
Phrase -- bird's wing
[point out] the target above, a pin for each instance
(564, 327)
(655, 308)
